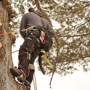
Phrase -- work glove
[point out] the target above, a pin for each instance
(45, 57)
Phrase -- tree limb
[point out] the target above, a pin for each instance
(44, 14)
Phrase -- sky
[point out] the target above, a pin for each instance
(79, 80)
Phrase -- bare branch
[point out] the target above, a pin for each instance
(44, 14)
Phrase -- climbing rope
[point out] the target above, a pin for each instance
(15, 51)
(34, 82)
(3, 34)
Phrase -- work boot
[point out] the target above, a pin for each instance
(21, 77)
(27, 84)
(28, 87)
(18, 73)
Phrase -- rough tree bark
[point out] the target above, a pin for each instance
(7, 82)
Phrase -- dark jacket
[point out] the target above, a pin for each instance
(35, 19)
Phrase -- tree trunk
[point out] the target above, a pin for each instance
(7, 81)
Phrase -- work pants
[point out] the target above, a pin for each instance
(28, 53)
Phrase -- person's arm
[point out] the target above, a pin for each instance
(50, 30)
(23, 26)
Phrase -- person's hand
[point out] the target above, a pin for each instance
(28, 29)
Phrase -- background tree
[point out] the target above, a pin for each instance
(71, 48)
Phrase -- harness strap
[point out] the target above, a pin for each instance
(31, 66)
(28, 38)
(24, 55)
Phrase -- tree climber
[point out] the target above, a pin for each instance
(37, 34)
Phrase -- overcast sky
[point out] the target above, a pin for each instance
(77, 81)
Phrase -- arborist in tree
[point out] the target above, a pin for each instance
(37, 34)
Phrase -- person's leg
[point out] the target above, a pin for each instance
(24, 60)
(25, 54)
(24, 57)
(29, 78)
